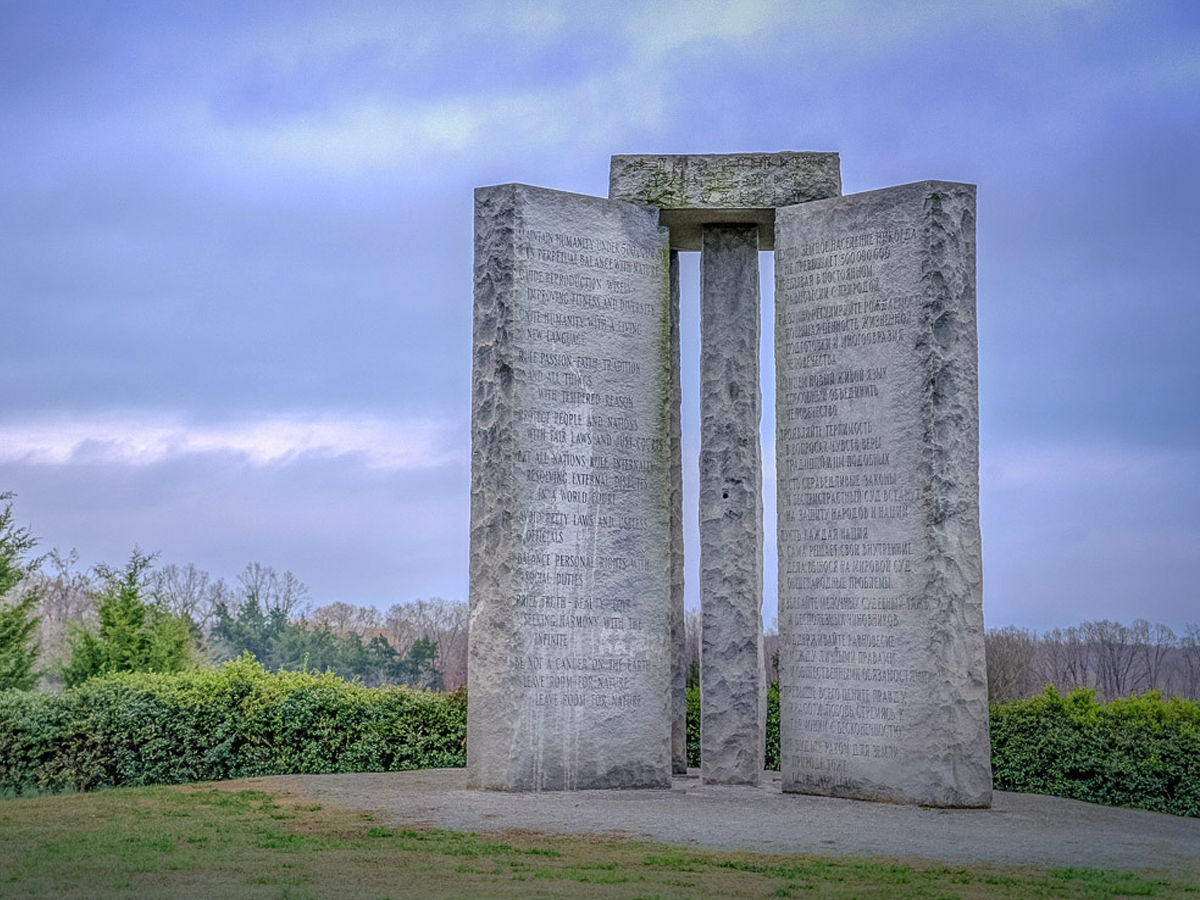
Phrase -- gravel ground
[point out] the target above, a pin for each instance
(1020, 829)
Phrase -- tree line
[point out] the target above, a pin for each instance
(1113, 659)
(1109, 657)
(61, 624)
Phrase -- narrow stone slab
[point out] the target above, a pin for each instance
(678, 632)
(882, 675)
(569, 662)
(694, 190)
(732, 677)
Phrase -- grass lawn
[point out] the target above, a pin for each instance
(221, 841)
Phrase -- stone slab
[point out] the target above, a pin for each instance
(678, 631)
(694, 190)
(569, 671)
(883, 681)
(733, 698)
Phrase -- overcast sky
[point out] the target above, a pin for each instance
(235, 259)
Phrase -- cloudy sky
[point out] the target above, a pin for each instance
(235, 258)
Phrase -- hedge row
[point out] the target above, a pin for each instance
(234, 721)
(239, 720)
(1139, 751)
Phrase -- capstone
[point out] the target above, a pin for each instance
(694, 190)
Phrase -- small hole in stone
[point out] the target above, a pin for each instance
(724, 495)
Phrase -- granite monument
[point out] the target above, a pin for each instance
(576, 675)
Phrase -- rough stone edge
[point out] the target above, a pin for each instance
(955, 356)
(950, 451)
(723, 762)
(629, 179)
(495, 285)
(492, 444)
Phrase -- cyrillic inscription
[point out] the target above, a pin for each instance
(864, 612)
(844, 588)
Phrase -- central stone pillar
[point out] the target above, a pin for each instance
(732, 678)
(678, 637)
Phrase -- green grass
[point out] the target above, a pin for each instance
(228, 841)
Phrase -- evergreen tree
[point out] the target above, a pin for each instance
(419, 667)
(299, 647)
(259, 623)
(379, 658)
(248, 628)
(133, 635)
(277, 642)
(18, 625)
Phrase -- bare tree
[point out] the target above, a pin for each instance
(1189, 662)
(367, 621)
(344, 618)
(337, 616)
(1064, 659)
(441, 621)
(1010, 663)
(771, 654)
(452, 646)
(263, 586)
(691, 641)
(1154, 644)
(190, 592)
(1115, 654)
(398, 625)
(66, 599)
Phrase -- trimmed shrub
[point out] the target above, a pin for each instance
(239, 720)
(234, 721)
(1142, 751)
(772, 749)
(693, 726)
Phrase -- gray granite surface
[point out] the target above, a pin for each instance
(569, 669)
(678, 632)
(883, 681)
(732, 679)
(694, 190)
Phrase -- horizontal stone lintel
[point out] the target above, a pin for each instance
(694, 190)
(687, 225)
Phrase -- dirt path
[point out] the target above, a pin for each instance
(1020, 829)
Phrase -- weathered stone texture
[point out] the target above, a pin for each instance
(732, 682)
(883, 680)
(678, 636)
(695, 190)
(569, 660)
(724, 180)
